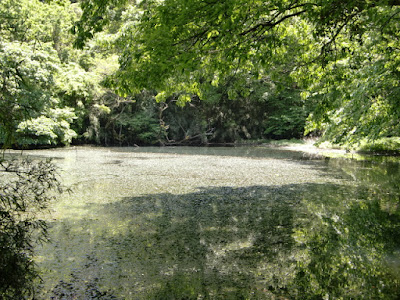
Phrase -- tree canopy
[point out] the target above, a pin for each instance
(46, 84)
(334, 64)
(342, 55)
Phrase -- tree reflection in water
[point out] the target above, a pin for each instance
(294, 241)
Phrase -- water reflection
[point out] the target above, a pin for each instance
(304, 240)
(346, 242)
(252, 243)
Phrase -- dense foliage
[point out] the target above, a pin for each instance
(343, 55)
(58, 94)
(250, 70)
(266, 113)
(31, 112)
(48, 88)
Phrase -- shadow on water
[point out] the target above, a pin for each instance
(298, 241)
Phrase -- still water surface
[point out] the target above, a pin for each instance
(221, 223)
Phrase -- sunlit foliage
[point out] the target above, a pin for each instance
(343, 54)
(48, 88)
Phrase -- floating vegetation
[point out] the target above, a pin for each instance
(192, 225)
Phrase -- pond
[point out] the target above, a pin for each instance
(221, 223)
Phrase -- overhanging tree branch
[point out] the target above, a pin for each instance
(271, 24)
